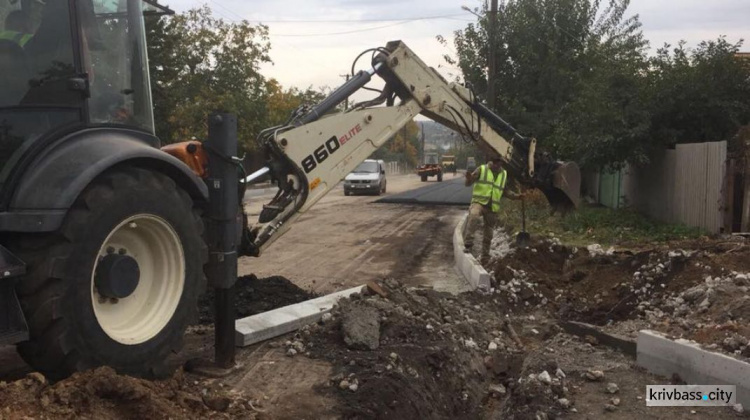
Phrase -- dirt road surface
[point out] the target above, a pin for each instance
(344, 241)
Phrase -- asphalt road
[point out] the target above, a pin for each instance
(344, 241)
(449, 192)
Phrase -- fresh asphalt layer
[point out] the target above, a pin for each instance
(450, 192)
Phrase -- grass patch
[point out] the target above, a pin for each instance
(592, 224)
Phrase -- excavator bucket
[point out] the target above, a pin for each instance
(564, 188)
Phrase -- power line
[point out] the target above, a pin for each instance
(404, 20)
(409, 19)
(229, 18)
(345, 32)
(227, 9)
(354, 30)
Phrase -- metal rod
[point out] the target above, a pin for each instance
(494, 120)
(221, 231)
(224, 328)
(257, 174)
(491, 59)
(339, 95)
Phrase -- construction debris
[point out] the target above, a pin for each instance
(508, 352)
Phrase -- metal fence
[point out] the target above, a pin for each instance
(398, 168)
(684, 185)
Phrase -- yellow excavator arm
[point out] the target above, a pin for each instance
(316, 149)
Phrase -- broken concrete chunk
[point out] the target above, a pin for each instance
(594, 375)
(694, 294)
(471, 344)
(612, 388)
(705, 303)
(37, 377)
(545, 378)
(497, 389)
(361, 328)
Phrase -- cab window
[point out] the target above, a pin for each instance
(114, 55)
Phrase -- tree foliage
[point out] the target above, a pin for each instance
(282, 102)
(700, 95)
(402, 147)
(575, 74)
(200, 64)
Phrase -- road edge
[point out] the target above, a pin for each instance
(665, 357)
(276, 322)
(466, 264)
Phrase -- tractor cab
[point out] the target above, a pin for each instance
(68, 65)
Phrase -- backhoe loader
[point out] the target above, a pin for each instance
(105, 237)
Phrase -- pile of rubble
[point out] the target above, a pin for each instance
(698, 293)
(417, 353)
(103, 394)
(401, 352)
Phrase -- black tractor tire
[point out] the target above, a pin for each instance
(424, 178)
(440, 177)
(58, 296)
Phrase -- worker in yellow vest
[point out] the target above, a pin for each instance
(489, 183)
(16, 28)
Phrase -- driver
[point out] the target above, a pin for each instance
(17, 28)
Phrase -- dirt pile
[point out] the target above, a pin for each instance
(103, 394)
(254, 295)
(692, 290)
(468, 356)
(439, 356)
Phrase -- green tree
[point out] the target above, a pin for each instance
(402, 147)
(200, 64)
(699, 95)
(566, 72)
(282, 102)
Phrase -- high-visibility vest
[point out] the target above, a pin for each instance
(19, 38)
(489, 188)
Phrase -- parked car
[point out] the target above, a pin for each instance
(368, 177)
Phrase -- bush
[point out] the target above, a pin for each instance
(592, 224)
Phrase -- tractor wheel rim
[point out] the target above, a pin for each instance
(157, 249)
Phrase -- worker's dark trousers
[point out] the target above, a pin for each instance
(489, 219)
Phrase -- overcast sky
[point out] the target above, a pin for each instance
(314, 53)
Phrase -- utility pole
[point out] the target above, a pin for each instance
(421, 141)
(492, 39)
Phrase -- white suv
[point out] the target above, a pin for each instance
(368, 177)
